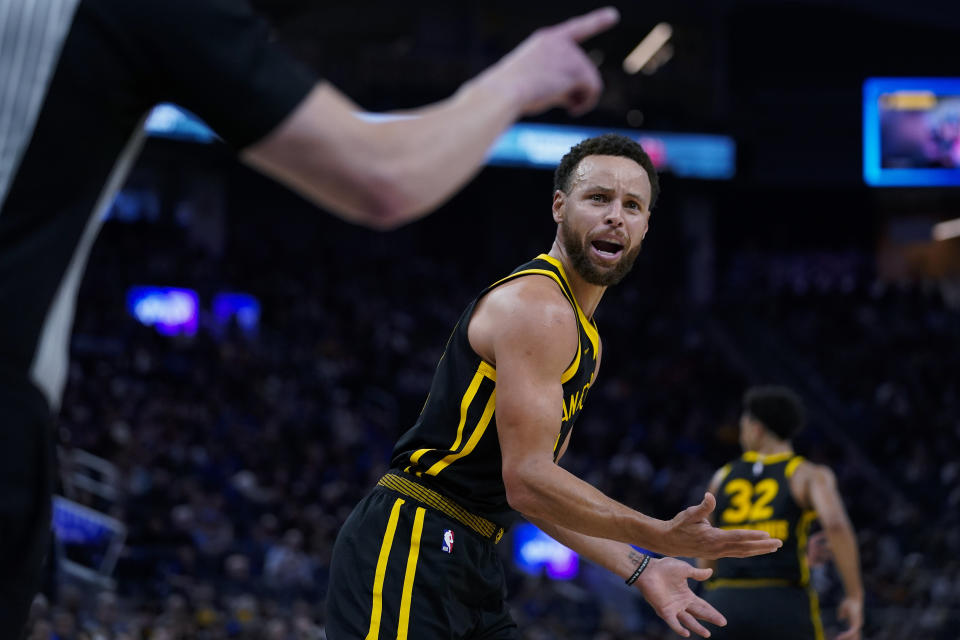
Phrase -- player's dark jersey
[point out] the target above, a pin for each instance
(755, 494)
(453, 447)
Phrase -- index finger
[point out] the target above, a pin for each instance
(745, 535)
(705, 611)
(752, 548)
(590, 24)
(674, 623)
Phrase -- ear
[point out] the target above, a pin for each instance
(755, 427)
(559, 199)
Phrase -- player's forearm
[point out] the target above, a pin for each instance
(617, 557)
(544, 491)
(846, 557)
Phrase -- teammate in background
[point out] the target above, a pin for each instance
(772, 489)
(417, 556)
(77, 78)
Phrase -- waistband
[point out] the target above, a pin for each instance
(430, 498)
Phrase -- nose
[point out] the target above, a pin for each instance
(614, 216)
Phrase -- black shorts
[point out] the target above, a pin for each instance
(26, 482)
(763, 612)
(401, 569)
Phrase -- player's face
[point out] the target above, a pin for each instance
(604, 217)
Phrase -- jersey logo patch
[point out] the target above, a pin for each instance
(447, 541)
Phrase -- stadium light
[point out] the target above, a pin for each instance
(947, 229)
(645, 56)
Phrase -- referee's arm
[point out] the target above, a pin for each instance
(383, 174)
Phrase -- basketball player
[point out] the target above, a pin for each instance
(772, 489)
(417, 556)
(77, 78)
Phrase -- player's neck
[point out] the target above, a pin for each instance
(770, 448)
(587, 295)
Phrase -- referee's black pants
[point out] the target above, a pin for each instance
(26, 483)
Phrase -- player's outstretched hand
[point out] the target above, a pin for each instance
(549, 69)
(664, 585)
(690, 534)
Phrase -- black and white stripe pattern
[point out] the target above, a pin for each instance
(32, 33)
(48, 371)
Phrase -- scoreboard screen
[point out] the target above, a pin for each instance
(911, 131)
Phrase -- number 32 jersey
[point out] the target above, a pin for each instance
(754, 493)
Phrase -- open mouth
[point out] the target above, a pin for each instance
(606, 248)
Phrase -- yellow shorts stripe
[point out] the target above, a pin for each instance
(409, 575)
(815, 614)
(377, 609)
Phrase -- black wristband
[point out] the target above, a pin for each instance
(636, 574)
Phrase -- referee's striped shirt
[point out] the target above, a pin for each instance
(77, 78)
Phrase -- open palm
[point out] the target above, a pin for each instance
(664, 585)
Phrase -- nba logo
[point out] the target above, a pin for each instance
(447, 541)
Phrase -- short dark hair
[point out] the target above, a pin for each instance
(779, 409)
(608, 144)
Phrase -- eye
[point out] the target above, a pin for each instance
(599, 197)
(633, 204)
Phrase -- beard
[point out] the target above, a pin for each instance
(577, 251)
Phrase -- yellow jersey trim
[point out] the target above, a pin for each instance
(588, 325)
(792, 466)
(572, 369)
(488, 370)
(484, 370)
(472, 442)
(753, 456)
(724, 472)
(803, 529)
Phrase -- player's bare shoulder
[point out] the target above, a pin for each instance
(531, 310)
(805, 476)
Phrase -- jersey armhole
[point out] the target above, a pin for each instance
(723, 473)
(792, 465)
(575, 361)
